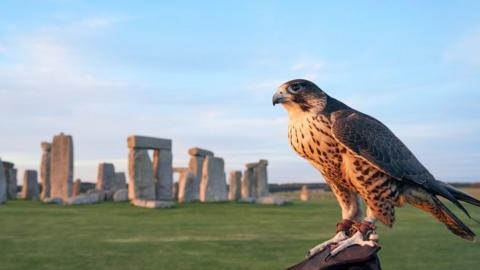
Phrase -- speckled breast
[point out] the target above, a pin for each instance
(311, 138)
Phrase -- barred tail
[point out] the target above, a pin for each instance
(427, 202)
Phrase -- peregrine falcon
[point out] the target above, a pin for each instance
(360, 158)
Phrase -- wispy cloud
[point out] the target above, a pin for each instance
(267, 85)
(309, 68)
(465, 50)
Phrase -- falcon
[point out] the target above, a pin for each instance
(360, 158)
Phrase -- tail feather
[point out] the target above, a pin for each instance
(440, 188)
(462, 196)
(425, 201)
(453, 223)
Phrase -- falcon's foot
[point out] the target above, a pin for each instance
(365, 235)
(343, 232)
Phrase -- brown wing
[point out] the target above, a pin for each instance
(372, 140)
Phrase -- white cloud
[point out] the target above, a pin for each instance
(308, 68)
(466, 50)
(308, 65)
(267, 85)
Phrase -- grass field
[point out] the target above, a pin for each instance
(209, 236)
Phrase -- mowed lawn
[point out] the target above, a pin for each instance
(210, 236)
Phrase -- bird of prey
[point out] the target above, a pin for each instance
(360, 158)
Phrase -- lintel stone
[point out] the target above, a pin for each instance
(251, 165)
(144, 142)
(179, 169)
(195, 151)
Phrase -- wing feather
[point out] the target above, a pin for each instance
(373, 141)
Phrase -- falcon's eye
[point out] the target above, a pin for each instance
(294, 88)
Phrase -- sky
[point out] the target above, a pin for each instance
(203, 73)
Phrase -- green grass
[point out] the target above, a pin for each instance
(209, 236)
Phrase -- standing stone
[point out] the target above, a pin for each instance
(61, 170)
(159, 175)
(11, 179)
(304, 193)
(140, 169)
(213, 187)
(186, 187)
(77, 187)
(195, 166)
(235, 186)
(120, 195)
(3, 184)
(105, 177)
(163, 172)
(262, 178)
(248, 182)
(12, 184)
(175, 191)
(45, 169)
(120, 181)
(30, 185)
(199, 152)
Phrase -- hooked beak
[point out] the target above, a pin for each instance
(279, 97)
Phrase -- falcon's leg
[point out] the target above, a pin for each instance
(364, 235)
(351, 212)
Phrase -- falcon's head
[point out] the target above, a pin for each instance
(300, 96)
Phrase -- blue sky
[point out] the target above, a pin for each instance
(203, 72)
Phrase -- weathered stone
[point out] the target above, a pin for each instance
(195, 166)
(11, 175)
(120, 181)
(263, 162)
(175, 191)
(235, 186)
(213, 187)
(8, 165)
(143, 142)
(30, 185)
(248, 183)
(163, 172)
(247, 200)
(271, 200)
(195, 151)
(57, 201)
(262, 178)
(11, 179)
(304, 193)
(251, 165)
(105, 177)
(85, 199)
(76, 187)
(186, 187)
(121, 195)
(101, 194)
(45, 169)
(3, 184)
(152, 203)
(61, 167)
(179, 169)
(140, 170)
